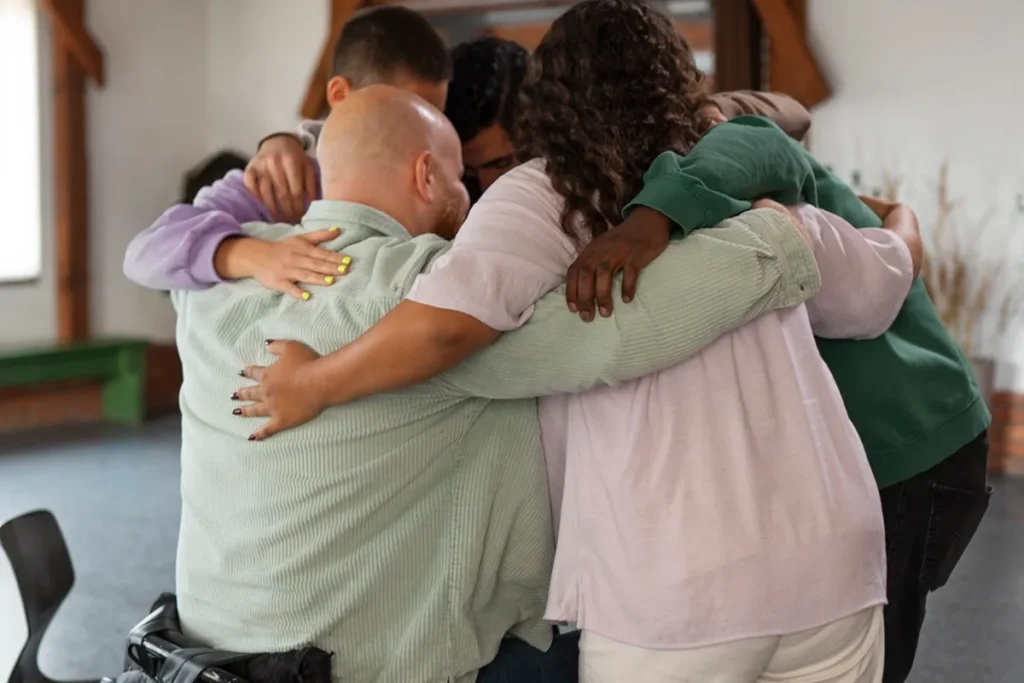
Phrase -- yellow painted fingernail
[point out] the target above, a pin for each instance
(335, 228)
(342, 269)
(305, 296)
(329, 279)
(345, 260)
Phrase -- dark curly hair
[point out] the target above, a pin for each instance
(486, 75)
(611, 86)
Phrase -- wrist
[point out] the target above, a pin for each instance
(653, 220)
(279, 138)
(322, 389)
(238, 258)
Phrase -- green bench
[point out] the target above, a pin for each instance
(120, 364)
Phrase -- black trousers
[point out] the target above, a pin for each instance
(929, 520)
(517, 662)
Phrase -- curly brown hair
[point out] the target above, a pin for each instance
(611, 86)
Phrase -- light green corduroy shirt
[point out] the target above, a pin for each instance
(408, 533)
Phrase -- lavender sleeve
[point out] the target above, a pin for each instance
(177, 251)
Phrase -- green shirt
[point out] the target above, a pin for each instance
(408, 533)
(910, 393)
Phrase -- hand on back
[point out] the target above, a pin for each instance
(283, 177)
(283, 266)
(628, 248)
(286, 391)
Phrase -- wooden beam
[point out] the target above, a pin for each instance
(698, 34)
(71, 32)
(71, 197)
(448, 7)
(315, 102)
(797, 72)
(737, 46)
(529, 35)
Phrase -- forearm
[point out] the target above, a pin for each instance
(903, 223)
(410, 345)
(729, 276)
(788, 114)
(238, 257)
(866, 275)
(735, 164)
(177, 251)
(181, 250)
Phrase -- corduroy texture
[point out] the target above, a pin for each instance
(409, 532)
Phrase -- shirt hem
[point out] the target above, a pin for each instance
(924, 453)
(803, 605)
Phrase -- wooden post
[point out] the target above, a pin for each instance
(737, 46)
(793, 71)
(315, 102)
(71, 197)
(779, 77)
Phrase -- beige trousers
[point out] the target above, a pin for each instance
(851, 650)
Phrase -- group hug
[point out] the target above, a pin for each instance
(552, 367)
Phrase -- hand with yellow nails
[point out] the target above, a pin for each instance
(283, 266)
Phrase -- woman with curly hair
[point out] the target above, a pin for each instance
(717, 521)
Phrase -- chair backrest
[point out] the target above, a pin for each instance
(42, 568)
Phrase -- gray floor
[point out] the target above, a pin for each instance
(115, 493)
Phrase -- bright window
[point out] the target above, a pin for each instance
(21, 234)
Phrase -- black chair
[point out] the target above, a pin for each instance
(42, 569)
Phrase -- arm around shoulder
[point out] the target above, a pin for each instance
(697, 291)
(866, 275)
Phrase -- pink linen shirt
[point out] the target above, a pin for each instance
(727, 497)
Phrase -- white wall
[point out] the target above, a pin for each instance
(261, 54)
(917, 82)
(29, 310)
(146, 128)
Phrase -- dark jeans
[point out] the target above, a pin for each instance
(929, 520)
(517, 662)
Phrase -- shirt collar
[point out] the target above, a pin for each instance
(329, 211)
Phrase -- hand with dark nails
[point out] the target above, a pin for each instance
(287, 391)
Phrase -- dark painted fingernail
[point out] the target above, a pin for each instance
(268, 342)
(241, 373)
(236, 411)
(252, 437)
(234, 396)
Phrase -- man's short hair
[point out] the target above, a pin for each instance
(487, 73)
(381, 44)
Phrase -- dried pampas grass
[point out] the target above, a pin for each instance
(977, 296)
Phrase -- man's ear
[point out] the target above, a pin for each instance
(425, 176)
(338, 89)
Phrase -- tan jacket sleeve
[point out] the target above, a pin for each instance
(787, 113)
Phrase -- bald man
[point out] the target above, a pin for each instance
(411, 533)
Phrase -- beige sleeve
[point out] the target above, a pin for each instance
(787, 113)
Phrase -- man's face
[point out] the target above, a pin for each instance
(488, 156)
(451, 204)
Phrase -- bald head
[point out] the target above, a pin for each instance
(391, 150)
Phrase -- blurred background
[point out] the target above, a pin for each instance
(111, 106)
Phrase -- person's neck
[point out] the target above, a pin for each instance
(375, 196)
